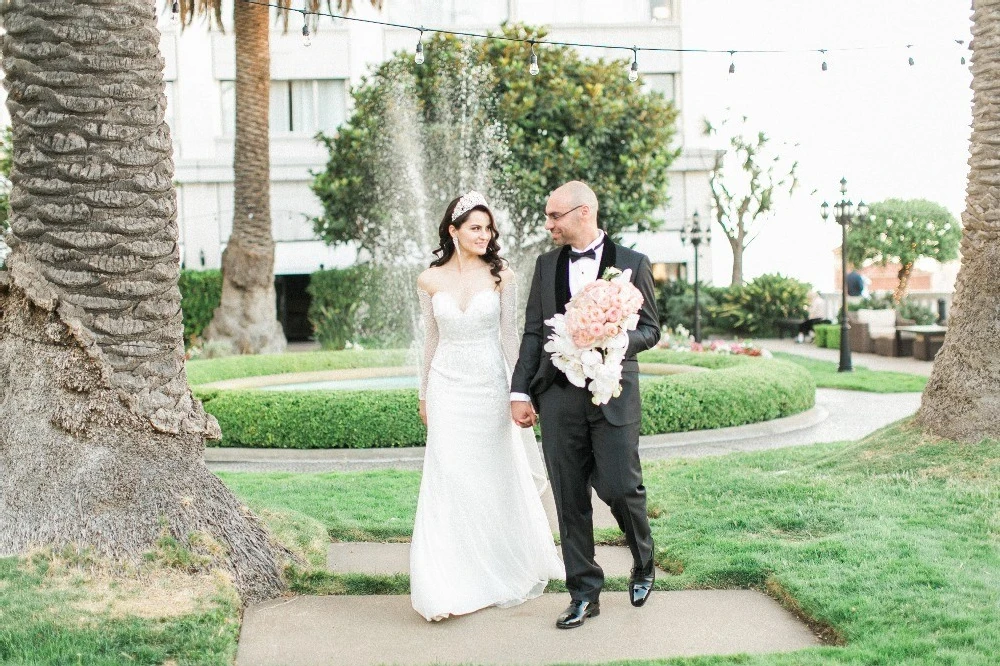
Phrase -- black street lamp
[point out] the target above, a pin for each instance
(697, 235)
(844, 214)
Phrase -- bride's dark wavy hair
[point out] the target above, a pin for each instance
(446, 246)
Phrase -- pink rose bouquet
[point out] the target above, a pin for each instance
(589, 341)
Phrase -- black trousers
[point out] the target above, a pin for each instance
(806, 327)
(583, 452)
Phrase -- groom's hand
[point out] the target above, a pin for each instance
(523, 413)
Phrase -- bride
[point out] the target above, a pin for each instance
(480, 537)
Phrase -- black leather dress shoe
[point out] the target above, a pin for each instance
(577, 612)
(640, 583)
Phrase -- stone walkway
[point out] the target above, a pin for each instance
(906, 364)
(370, 630)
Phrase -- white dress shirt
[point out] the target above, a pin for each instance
(581, 272)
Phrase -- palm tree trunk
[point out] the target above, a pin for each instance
(961, 399)
(247, 315)
(101, 440)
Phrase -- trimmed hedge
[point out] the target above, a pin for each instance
(316, 419)
(827, 335)
(750, 390)
(740, 390)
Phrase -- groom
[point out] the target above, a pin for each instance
(586, 446)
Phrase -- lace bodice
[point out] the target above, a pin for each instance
(489, 317)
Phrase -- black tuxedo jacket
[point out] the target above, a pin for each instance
(535, 373)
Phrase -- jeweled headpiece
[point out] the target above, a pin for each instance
(469, 200)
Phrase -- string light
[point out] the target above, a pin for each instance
(175, 13)
(306, 36)
(419, 55)
(633, 73)
(533, 63)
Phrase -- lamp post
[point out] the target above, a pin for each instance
(697, 234)
(844, 214)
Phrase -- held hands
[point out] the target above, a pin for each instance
(523, 413)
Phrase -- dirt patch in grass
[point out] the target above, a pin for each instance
(96, 586)
(161, 595)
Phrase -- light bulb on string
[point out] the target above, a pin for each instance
(633, 72)
(419, 55)
(306, 35)
(533, 63)
(823, 54)
(175, 13)
(732, 62)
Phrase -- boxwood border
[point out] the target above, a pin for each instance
(739, 390)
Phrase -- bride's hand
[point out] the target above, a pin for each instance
(422, 410)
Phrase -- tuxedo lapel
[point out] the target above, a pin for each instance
(562, 280)
(608, 256)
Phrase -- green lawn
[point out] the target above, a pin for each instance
(233, 367)
(890, 545)
(861, 379)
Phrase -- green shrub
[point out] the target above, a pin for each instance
(675, 304)
(335, 297)
(739, 390)
(921, 314)
(755, 307)
(363, 304)
(820, 331)
(876, 301)
(316, 419)
(749, 391)
(201, 293)
(832, 336)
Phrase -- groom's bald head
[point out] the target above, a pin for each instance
(579, 193)
(571, 214)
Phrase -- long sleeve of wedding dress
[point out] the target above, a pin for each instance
(510, 342)
(431, 338)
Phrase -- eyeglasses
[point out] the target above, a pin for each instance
(555, 217)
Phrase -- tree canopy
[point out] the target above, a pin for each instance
(903, 231)
(577, 119)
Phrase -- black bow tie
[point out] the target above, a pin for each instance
(574, 255)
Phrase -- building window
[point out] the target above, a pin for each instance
(661, 83)
(302, 107)
(661, 10)
(668, 272)
(168, 114)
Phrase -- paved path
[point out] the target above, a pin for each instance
(362, 631)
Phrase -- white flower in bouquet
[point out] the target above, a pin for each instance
(590, 341)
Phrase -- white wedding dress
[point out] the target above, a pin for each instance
(480, 537)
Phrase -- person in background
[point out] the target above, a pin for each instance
(817, 315)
